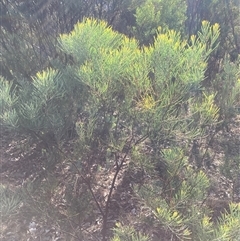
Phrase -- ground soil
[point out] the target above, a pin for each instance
(22, 163)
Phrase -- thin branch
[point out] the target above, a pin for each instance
(89, 187)
(118, 168)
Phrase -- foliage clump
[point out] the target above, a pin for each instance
(132, 106)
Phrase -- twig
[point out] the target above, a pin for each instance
(89, 187)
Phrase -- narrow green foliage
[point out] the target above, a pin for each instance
(147, 21)
(10, 202)
(8, 101)
(229, 224)
(154, 14)
(139, 112)
(227, 86)
(173, 221)
(206, 111)
(131, 106)
(88, 38)
(209, 32)
(127, 233)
